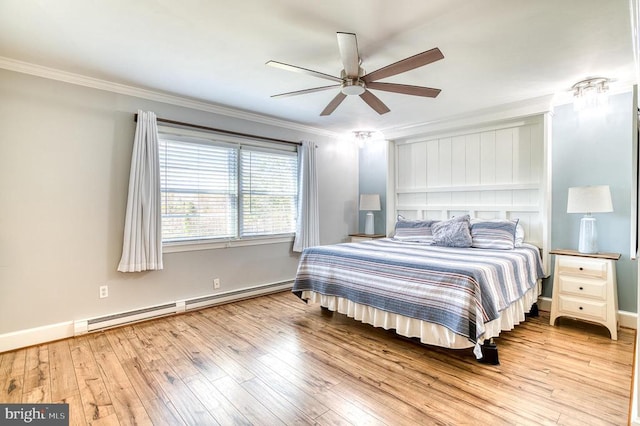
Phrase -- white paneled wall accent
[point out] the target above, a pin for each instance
(491, 173)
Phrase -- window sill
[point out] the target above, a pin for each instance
(183, 246)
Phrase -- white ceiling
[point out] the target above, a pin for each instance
(496, 51)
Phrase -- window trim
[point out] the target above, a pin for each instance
(218, 243)
(195, 245)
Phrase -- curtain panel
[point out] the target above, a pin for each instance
(142, 242)
(308, 224)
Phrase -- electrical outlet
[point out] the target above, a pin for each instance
(104, 291)
(216, 283)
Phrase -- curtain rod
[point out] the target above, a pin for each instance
(213, 129)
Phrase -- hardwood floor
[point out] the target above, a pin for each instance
(275, 360)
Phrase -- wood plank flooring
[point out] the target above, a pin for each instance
(275, 360)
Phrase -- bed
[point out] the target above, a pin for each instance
(443, 292)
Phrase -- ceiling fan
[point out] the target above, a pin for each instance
(353, 80)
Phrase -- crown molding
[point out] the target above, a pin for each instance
(123, 89)
(500, 113)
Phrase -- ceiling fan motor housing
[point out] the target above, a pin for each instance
(352, 86)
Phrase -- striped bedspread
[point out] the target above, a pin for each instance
(458, 288)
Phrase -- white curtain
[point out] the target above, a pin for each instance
(308, 227)
(142, 244)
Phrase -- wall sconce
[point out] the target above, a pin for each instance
(590, 93)
(369, 203)
(589, 199)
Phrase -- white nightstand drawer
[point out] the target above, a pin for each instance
(583, 287)
(582, 308)
(595, 268)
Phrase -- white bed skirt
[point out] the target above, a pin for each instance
(428, 333)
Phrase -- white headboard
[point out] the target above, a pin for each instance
(497, 171)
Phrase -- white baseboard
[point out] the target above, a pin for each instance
(48, 333)
(544, 304)
(35, 336)
(625, 319)
(628, 319)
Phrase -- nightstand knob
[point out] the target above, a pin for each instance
(581, 268)
(581, 288)
(580, 308)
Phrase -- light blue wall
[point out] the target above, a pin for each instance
(373, 180)
(596, 149)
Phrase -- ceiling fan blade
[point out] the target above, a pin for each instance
(301, 70)
(348, 46)
(375, 103)
(305, 91)
(333, 104)
(405, 89)
(404, 65)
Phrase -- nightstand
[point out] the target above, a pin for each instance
(585, 288)
(363, 237)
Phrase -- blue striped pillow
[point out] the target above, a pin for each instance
(418, 231)
(498, 234)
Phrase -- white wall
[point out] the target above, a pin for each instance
(64, 167)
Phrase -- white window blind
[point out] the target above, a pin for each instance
(199, 190)
(269, 192)
(216, 190)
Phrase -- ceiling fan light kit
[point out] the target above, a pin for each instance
(353, 80)
(362, 134)
(351, 87)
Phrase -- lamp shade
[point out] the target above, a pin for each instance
(370, 202)
(589, 199)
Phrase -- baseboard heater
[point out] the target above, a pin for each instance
(172, 308)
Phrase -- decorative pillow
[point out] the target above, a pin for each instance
(497, 234)
(452, 233)
(418, 231)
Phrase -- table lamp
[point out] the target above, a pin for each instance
(589, 199)
(369, 203)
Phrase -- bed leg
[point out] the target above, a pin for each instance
(326, 311)
(534, 312)
(489, 353)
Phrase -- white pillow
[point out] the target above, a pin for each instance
(519, 235)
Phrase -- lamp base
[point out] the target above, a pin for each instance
(368, 224)
(588, 235)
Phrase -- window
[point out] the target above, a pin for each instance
(269, 189)
(217, 190)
